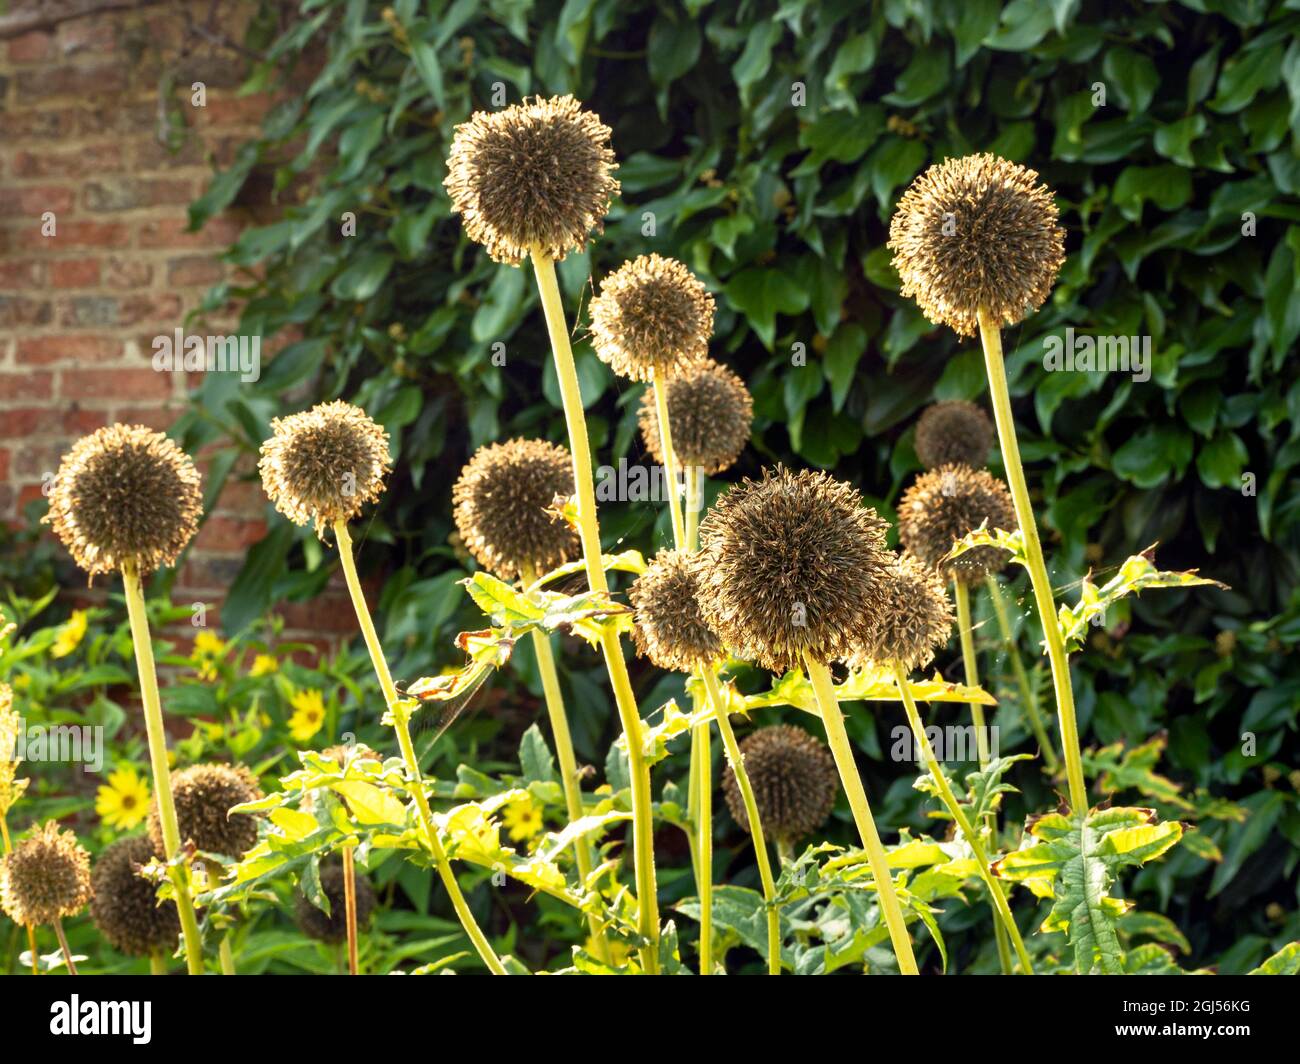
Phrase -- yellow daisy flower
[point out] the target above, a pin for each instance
(207, 649)
(70, 635)
(522, 819)
(263, 665)
(123, 802)
(308, 716)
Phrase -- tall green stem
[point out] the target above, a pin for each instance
(1028, 697)
(670, 461)
(692, 475)
(991, 339)
(162, 786)
(350, 908)
(225, 955)
(702, 765)
(63, 945)
(157, 964)
(838, 738)
(402, 725)
(589, 533)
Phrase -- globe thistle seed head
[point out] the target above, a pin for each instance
(333, 929)
(914, 619)
(789, 564)
(794, 779)
(948, 503)
(46, 877)
(976, 231)
(125, 495)
(204, 796)
(954, 433)
(652, 319)
(668, 627)
(125, 905)
(501, 505)
(324, 464)
(538, 174)
(710, 411)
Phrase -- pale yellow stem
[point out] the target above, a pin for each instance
(63, 945)
(226, 957)
(350, 909)
(1028, 697)
(670, 460)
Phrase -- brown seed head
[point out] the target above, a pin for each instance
(125, 906)
(501, 506)
(46, 877)
(710, 411)
(977, 231)
(913, 621)
(324, 464)
(333, 928)
(125, 494)
(668, 627)
(652, 319)
(538, 174)
(954, 433)
(794, 781)
(946, 504)
(789, 564)
(204, 796)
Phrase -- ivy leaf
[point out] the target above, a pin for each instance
(760, 294)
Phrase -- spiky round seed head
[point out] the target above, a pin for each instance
(125, 905)
(794, 779)
(710, 412)
(333, 928)
(668, 627)
(948, 503)
(204, 796)
(125, 495)
(914, 619)
(652, 319)
(954, 433)
(46, 877)
(788, 564)
(538, 174)
(324, 464)
(977, 231)
(502, 501)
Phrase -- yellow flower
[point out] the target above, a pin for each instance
(523, 819)
(22, 681)
(207, 649)
(11, 788)
(309, 715)
(124, 801)
(70, 635)
(263, 664)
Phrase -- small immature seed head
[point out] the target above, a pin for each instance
(204, 796)
(977, 231)
(333, 928)
(794, 781)
(954, 433)
(501, 506)
(914, 619)
(538, 174)
(125, 495)
(125, 906)
(710, 412)
(948, 503)
(652, 319)
(668, 627)
(324, 464)
(789, 564)
(46, 877)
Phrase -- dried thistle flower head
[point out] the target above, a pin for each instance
(502, 506)
(46, 877)
(125, 905)
(324, 464)
(954, 433)
(710, 411)
(794, 779)
(977, 231)
(789, 564)
(914, 619)
(652, 319)
(11, 788)
(948, 503)
(538, 174)
(668, 627)
(125, 495)
(333, 928)
(204, 796)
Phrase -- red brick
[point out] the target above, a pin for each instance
(127, 193)
(81, 79)
(38, 124)
(232, 111)
(34, 202)
(76, 234)
(71, 348)
(171, 233)
(227, 534)
(194, 270)
(23, 273)
(89, 311)
(159, 307)
(95, 34)
(22, 422)
(29, 493)
(31, 48)
(18, 310)
(159, 418)
(88, 159)
(26, 385)
(135, 384)
(241, 497)
(74, 273)
(126, 273)
(4, 464)
(34, 460)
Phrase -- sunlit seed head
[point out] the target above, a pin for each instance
(324, 464)
(125, 905)
(538, 174)
(668, 627)
(954, 433)
(333, 928)
(46, 877)
(710, 413)
(948, 503)
(977, 231)
(794, 781)
(204, 796)
(125, 495)
(789, 564)
(652, 319)
(913, 621)
(501, 505)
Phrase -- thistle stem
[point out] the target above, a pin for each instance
(157, 964)
(963, 822)
(401, 724)
(838, 738)
(31, 931)
(589, 533)
(63, 945)
(225, 955)
(694, 492)
(350, 908)
(1028, 698)
(704, 842)
(157, 737)
(737, 762)
(670, 460)
(991, 339)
